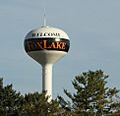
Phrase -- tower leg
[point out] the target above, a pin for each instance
(47, 80)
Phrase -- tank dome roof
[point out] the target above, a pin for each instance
(47, 32)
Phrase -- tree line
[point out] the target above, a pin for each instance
(91, 97)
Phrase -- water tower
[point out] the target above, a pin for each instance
(47, 45)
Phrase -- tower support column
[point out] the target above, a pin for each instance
(47, 79)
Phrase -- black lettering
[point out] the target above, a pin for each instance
(41, 34)
(37, 34)
(33, 34)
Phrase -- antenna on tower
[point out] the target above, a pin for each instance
(44, 19)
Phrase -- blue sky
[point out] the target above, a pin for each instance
(92, 25)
